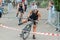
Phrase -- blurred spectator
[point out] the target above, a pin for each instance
(51, 10)
(13, 3)
(17, 1)
(25, 4)
(3, 2)
(23, 0)
(9, 6)
(33, 6)
(0, 1)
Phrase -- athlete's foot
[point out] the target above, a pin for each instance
(17, 15)
(34, 37)
(56, 29)
(20, 23)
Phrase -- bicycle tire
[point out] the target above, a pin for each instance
(28, 27)
(26, 32)
(25, 35)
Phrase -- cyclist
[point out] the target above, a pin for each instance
(25, 4)
(21, 10)
(35, 15)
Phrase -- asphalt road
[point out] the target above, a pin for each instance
(9, 20)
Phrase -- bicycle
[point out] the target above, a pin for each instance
(19, 16)
(26, 30)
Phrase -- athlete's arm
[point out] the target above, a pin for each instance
(29, 14)
(39, 16)
(17, 6)
(23, 6)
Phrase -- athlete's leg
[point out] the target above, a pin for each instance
(20, 18)
(17, 13)
(34, 30)
(22, 22)
(21, 15)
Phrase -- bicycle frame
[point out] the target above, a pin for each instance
(26, 30)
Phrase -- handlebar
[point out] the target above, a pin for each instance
(31, 20)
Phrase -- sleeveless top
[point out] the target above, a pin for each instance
(34, 16)
(20, 6)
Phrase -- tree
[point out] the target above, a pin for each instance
(57, 5)
(57, 8)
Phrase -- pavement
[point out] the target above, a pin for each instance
(10, 29)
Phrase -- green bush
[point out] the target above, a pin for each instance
(57, 5)
(43, 4)
(57, 8)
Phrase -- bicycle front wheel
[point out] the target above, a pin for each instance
(25, 34)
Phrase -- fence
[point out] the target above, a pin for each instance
(55, 19)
